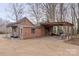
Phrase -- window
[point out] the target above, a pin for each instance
(33, 30)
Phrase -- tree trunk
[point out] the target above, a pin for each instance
(78, 20)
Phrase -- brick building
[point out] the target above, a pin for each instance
(24, 28)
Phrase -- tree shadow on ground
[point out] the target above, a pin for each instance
(74, 41)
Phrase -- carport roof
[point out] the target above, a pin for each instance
(50, 24)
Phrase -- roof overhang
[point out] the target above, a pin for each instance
(51, 24)
(12, 25)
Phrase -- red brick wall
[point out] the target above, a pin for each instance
(26, 23)
(39, 32)
(26, 31)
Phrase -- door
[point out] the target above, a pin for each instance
(47, 31)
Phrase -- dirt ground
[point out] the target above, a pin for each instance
(45, 46)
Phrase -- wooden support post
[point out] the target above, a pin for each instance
(67, 33)
(12, 32)
(52, 29)
(71, 31)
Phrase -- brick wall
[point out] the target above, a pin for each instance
(27, 33)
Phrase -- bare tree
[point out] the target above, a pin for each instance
(16, 11)
(74, 17)
(50, 11)
(61, 12)
(35, 11)
(78, 20)
(63, 9)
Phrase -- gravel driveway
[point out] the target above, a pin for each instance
(45, 46)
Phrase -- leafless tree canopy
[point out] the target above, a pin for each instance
(16, 11)
(50, 12)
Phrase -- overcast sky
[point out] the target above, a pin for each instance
(3, 12)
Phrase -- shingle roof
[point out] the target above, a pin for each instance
(19, 21)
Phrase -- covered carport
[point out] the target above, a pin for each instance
(66, 25)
